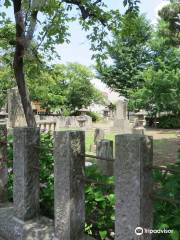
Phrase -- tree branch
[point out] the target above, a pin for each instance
(31, 28)
(86, 12)
(96, 2)
(26, 16)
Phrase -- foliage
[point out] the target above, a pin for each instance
(46, 175)
(133, 5)
(129, 53)
(67, 87)
(166, 213)
(80, 91)
(100, 200)
(6, 82)
(7, 32)
(161, 89)
(169, 121)
(60, 87)
(169, 24)
(95, 116)
(48, 90)
(145, 61)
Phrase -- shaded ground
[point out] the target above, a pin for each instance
(166, 145)
(165, 151)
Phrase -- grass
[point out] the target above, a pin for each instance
(159, 142)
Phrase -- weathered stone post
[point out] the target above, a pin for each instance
(98, 135)
(104, 149)
(133, 185)
(69, 185)
(3, 164)
(26, 173)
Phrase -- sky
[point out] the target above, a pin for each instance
(78, 49)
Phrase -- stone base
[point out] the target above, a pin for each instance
(11, 228)
(139, 130)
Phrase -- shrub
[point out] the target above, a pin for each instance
(166, 214)
(169, 121)
(100, 204)
(95, 116)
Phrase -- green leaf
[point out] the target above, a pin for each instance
(103, 234)
(175, 235)
(7, 3)
(125, 2)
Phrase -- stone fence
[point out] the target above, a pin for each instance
(46, 125)
(54, 123)
(133, 184)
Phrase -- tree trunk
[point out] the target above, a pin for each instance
(19, 63)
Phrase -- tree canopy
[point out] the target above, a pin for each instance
(146, 61)
(169, 24)
(65, 87)
(160, 92)
(129, 54)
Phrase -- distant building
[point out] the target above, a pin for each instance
(36, 106)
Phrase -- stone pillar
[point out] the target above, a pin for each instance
(125, 110)
(121, 123)
(133, 185)
(98, 135)
(26, 173)
(3, 164)
(104, 149)
(69, 185)
(121, 109)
